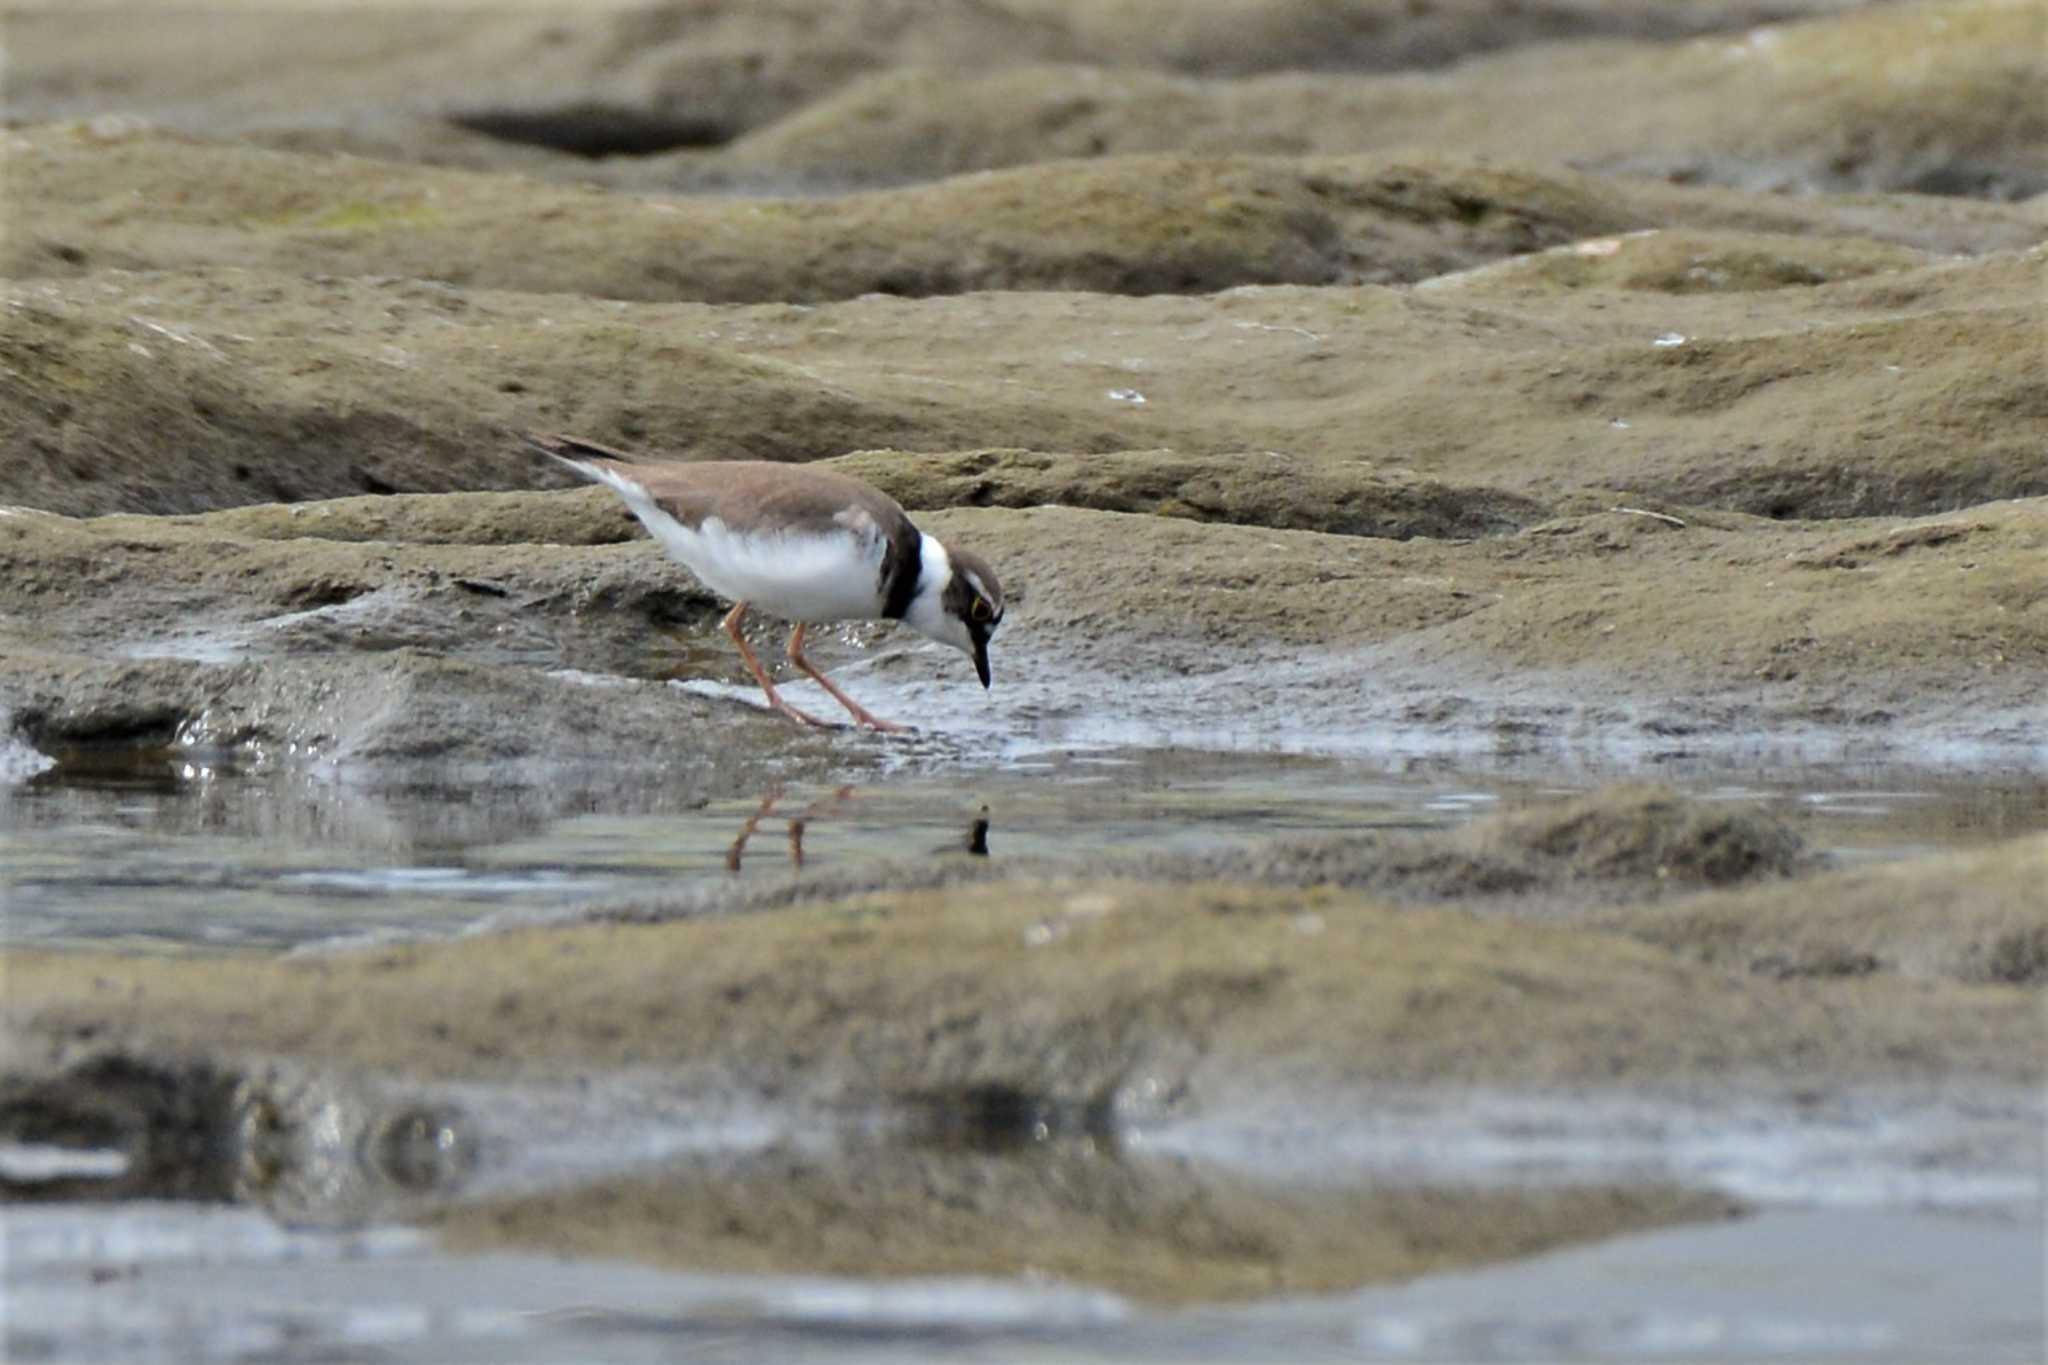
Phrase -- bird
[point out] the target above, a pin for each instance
(805, 544)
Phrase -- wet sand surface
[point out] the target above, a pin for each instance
(1512, 822)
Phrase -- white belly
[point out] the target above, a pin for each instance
(796, 577)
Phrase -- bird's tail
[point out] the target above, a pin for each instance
(600, 464)
(564, 450)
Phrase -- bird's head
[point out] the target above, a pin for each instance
(958, 602)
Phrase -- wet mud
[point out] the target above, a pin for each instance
(1593, 459)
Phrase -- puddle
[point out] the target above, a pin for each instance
(153, 850)
(626, 1219)
(158, 1282)
(283, 1215)
(983, 1183)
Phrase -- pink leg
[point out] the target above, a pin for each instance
(803, 820)
(739, 845)
(775, 701)
(854, 708)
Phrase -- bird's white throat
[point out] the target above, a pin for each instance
(927, 613)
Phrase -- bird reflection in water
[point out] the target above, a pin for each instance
(975, 843)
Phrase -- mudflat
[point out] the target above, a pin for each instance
(1614, 394)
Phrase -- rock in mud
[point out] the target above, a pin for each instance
(401, 717)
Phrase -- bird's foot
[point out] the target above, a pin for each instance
(782, 707)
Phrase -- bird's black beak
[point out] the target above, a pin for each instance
(981, 658)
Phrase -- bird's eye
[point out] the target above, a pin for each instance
(981, 611)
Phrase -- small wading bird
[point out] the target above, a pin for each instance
(807, 545)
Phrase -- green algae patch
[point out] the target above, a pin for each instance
(351, 215)
(364, 215)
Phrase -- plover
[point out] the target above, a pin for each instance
(805, 544)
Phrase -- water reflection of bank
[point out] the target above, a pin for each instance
(976, 1183)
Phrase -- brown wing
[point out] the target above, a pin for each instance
(799, 497)
(747, 492)
(744, 492)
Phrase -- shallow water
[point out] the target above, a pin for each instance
(1055, 1239)
(163, 852)
(161, 1282)
(1841, 1281)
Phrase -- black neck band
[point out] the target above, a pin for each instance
(903, 583)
